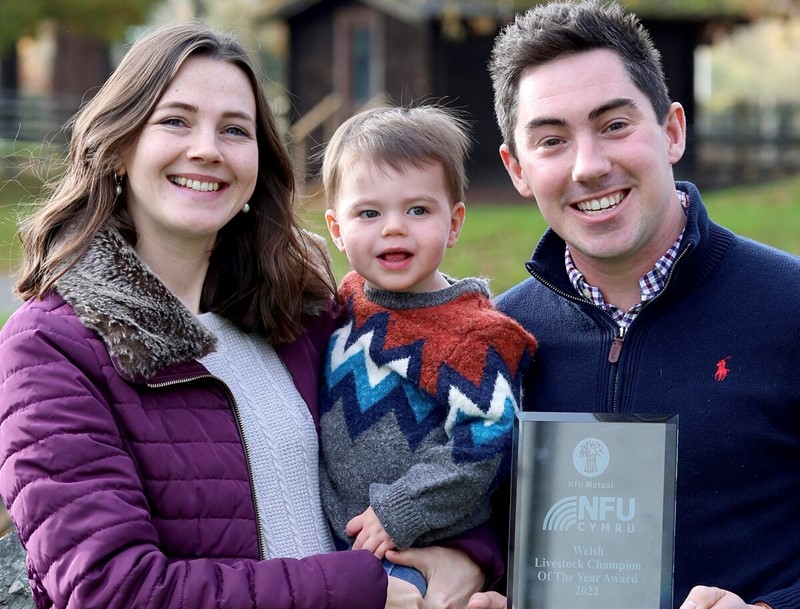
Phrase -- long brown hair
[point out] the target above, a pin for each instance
(264, 271)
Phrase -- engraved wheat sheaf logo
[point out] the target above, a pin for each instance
(590, 457)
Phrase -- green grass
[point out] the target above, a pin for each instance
(15, 194)
(769, 213)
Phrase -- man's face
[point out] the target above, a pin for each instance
(592, 153)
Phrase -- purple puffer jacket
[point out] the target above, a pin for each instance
(121, 460)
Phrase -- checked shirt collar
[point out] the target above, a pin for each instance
(649, 285)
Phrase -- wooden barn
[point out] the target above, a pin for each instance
(346, 54)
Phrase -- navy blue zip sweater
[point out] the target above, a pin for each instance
(720, 346)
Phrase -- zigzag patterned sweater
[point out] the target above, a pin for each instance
(417, 408)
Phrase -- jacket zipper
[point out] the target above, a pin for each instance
(613, 358)
(235, 407)
(616, 345)
(551, 287)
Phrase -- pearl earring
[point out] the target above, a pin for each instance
(118, 188)
(246, 208)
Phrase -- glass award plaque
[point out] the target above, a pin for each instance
(593, 511)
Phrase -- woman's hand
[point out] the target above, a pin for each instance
(402, 595)
(451, 575)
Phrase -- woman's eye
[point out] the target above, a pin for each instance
(173, 122)
(233, 130)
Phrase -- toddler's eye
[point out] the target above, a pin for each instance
(417, 211)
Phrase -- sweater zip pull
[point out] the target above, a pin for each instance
(616, 346)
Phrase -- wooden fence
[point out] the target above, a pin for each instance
(746, 144)
(31, 130)
(35, 119)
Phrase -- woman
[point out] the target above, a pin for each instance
(158, 397)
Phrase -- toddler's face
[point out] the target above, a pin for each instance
(395, 226)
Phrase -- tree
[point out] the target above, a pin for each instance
(104, 20)
(83, 31)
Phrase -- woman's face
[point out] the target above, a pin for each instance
(195, 162)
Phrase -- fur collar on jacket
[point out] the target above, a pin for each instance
(144, 325)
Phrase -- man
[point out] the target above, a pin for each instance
(641, 304)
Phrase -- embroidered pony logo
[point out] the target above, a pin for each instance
(722, 369)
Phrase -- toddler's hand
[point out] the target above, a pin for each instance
(369, 533)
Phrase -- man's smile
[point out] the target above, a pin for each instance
(603, 204)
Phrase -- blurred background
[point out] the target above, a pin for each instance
(734, 64)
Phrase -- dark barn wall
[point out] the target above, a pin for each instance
(404, 63)
(407, 50)
(408, 60)
(461, 76)
(311, 57)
